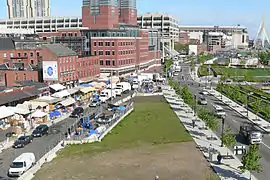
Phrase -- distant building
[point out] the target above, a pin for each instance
(218, 37)
(28, 8)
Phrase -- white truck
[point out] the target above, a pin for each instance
(21, 164)
(219, 111)
(106, 94)
(135, 84)
(123, 87)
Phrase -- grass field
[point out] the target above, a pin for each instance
(152, 122)
(150, 141)
(241, 72)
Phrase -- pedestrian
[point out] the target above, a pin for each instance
(219, 158)
(193, 123)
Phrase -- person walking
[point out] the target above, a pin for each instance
(219, 158)
(193, 123)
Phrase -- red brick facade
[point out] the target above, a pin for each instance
(72, 68)
(60, 33)
(184, 37)
(25, 56)
(107, 18)
(128, 16)
(9, 78)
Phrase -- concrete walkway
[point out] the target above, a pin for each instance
(228, 169)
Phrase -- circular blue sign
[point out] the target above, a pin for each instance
(50, 71)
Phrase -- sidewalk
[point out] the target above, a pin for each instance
(228, 169)
(260, 122)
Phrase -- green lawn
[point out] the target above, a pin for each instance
(241, 72)
(152, 122)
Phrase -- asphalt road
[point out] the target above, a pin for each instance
(232, 120)
(42, 145)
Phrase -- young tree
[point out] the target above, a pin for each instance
(228, 138)
(251, 160)
(212, 123)
(257, 107)
(192, 64)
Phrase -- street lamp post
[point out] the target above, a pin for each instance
(30, 116)
(195, 104)
(222, 130)
(247, 101)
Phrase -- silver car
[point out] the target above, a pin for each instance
(203, 101)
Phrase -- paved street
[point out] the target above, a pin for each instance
(41, 146)
(233, 120)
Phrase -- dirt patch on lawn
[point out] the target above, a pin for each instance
(177, 161)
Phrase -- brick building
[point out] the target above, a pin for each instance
(62, 65)
(184, 37)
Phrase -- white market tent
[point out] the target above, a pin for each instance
(5, 112)
(38, 114)
(61, 94)
(57, 87)
(35, 104)
(67, 102)
(20, 111)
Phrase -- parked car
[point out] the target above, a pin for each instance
(94, 103)
(203, 101)
(41, 130)
(204, 93)
(22, 141)
(77, 112)
(21, 164)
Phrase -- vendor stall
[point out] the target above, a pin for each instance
(33, 105)
(87, 93)
(39, 117)
(5, 117)
(66, 105)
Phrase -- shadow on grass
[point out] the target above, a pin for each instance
(228, 173)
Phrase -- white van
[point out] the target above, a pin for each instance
(21, 164)
(106, 94)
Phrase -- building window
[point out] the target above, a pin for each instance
(24, 76)
(113, 53)
(25, 54)
(32, 61)
(37, 54)
(101, 62)
(11, 55)
(100, 53)
(16, 76)
(5, 55)
(31, 54)
(19, 54)
(107, 43)
(113, 63)
(108, 63)
(75, 34)
(95, 53)
(95, 43)
(100, 43)
(112, 43)
(107, 53)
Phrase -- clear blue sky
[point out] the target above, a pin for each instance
(188, 12)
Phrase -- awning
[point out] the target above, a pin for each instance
(5, 112)
(47, 99)
(87, 89)
(73, 90)
(68, 101)
(57, 87)
(61, 94)
(16, 110)
(38, 114)
(34, 104)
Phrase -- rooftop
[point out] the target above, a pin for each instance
(208, 27)
(60, 50)
(6, 43)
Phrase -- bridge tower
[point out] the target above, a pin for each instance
(261, 36)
